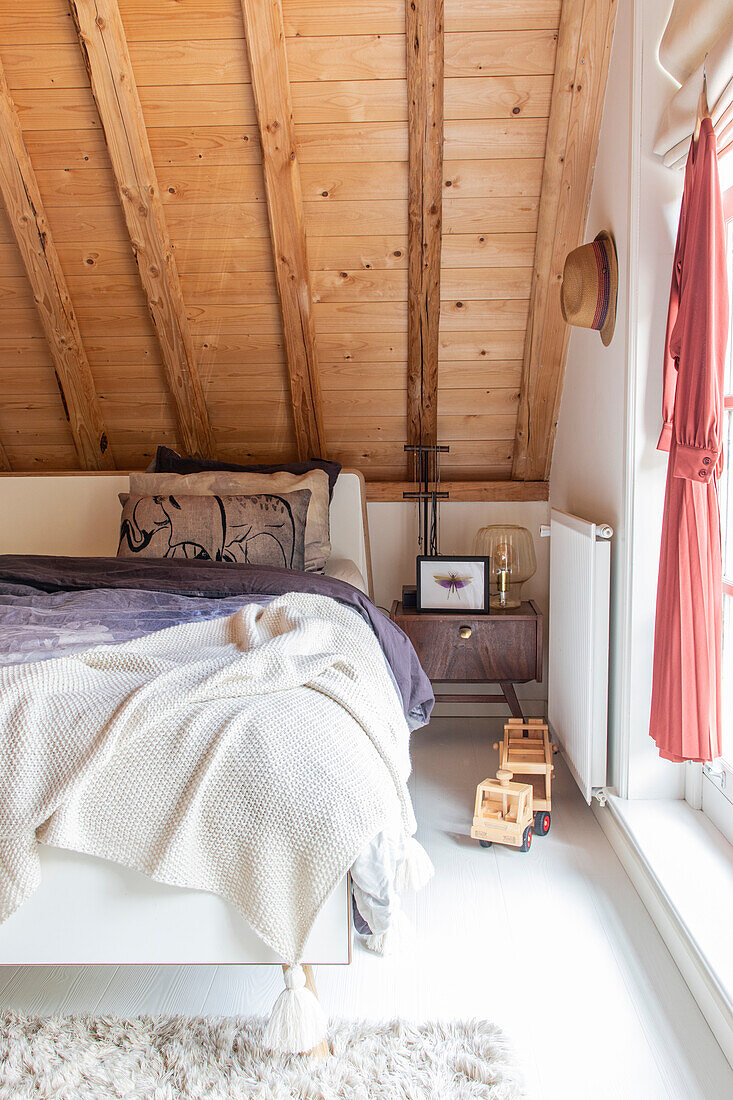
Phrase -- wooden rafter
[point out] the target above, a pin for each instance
(104, 47)
(263, 22)
(424, 40)
(581, 70)
(22, 200)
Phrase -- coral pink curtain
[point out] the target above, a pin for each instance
(686, 688)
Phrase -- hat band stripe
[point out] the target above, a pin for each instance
(604, 286)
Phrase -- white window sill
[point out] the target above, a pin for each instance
(682, 867)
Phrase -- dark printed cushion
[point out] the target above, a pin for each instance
(263, 529)
(168, 461)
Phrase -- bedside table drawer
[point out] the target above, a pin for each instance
(490, 648)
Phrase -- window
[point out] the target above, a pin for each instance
(717, 792)
(726, 509)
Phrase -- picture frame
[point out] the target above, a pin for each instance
(451, 583)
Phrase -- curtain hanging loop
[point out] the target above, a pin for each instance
(703, 110)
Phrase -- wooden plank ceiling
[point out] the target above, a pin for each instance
(260, 311)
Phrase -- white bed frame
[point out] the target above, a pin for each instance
(90, 910)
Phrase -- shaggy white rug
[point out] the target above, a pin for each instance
(179, 1058)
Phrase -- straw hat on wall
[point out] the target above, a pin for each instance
(590, 286)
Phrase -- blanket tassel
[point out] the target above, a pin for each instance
(416, 868)
(298, 1023)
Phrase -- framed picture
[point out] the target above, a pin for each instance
(453, 584)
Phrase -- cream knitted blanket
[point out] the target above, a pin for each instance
(252, 756)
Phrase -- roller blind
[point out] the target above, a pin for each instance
(698, 36)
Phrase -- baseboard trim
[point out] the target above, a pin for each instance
(713, 1000)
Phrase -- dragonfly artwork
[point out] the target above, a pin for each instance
(453, 582)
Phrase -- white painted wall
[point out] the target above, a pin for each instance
(656, 203)
(393, 536)
(606, 465)
(587, 477)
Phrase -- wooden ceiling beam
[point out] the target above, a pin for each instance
(106, 55)
(578, 92)
(263, 24)
(463, 490)
(425, 66)
(22, 200)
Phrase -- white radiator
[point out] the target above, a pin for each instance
(580, 574)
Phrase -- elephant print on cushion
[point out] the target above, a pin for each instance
(261, 529)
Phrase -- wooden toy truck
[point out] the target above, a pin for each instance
(527, 751)
(503, 812)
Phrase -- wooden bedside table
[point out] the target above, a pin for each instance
(502, 648)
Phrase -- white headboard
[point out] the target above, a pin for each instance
(79, 515)
(349, 528)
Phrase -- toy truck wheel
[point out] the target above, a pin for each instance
(485, 843)
(542, 822)
(526, 839)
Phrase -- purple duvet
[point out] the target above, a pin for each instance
(48, 604)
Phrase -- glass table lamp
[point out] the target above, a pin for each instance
(512, 561)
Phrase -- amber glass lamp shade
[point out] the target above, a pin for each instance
(512, 561)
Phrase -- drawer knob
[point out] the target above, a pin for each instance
(465, 631)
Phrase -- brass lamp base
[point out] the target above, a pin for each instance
(509, 600)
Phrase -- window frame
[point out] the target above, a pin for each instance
(728, 397)
(716, 793)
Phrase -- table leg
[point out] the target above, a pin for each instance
(511, 697)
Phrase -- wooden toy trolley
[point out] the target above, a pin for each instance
(527, 751)
(503, 812)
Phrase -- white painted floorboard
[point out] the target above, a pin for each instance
(555, 946)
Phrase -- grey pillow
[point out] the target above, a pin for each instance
(261, 529)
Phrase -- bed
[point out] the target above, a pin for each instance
(89, 910)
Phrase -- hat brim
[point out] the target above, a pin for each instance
(610, 322)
